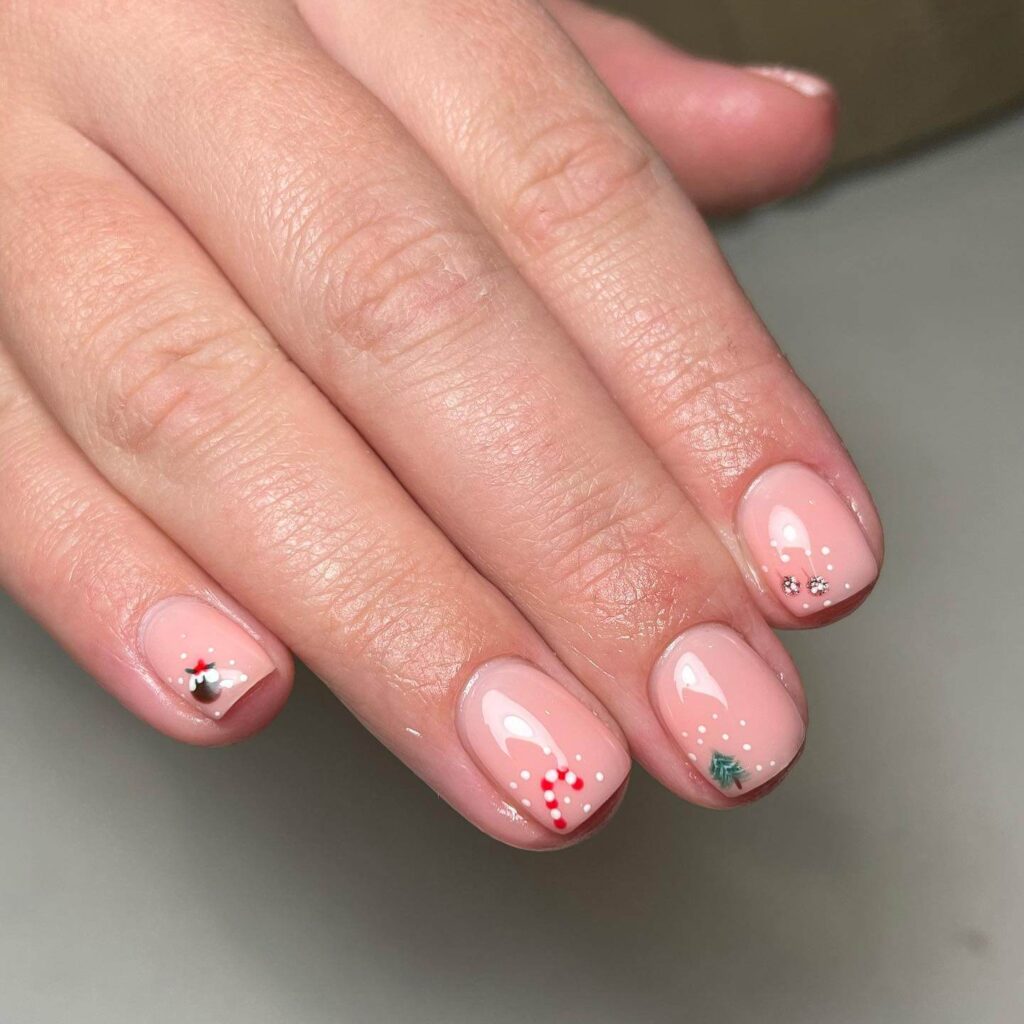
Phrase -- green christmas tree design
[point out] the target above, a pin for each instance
(726, 770)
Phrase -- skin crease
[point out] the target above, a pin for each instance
(555, 534)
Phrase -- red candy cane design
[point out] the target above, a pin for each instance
(547, 784)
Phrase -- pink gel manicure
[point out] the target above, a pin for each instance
(726, 709)
(804, 540)
(548, 753)
(202, 655)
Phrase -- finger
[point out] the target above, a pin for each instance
(587, 213)
(174, 390)
(139, 615)
(733, 137)
(411, 321)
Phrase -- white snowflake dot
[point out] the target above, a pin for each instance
(587, 808)
(524, 774)
(599, 776)
(743, 721)
(725, 735)
(785, 558)
(826, 550)
(526, 803)
(700, 743)
(551, 775)
(692, 757)
(759, 767)
(579, 757)
(183, 655)
(513, 785)
(847, 585)
(746, 746)
(702, 728)
(771, 764)
(566, 800)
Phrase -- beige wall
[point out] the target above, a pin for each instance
(906, 68)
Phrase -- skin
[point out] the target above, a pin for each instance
(404, 357)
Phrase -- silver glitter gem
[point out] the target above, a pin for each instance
(818, 586)
(790, 586)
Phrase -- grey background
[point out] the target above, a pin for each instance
(306, 877)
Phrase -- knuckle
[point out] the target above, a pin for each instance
(174, 379)
(624, 554)
(577, 174)
(397, 280)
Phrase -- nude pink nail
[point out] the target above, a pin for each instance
(202, 655)
(551, 756)
(726, 709)
(804, 540)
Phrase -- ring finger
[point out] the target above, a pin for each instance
(179, 397)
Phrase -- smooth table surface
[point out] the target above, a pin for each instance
(306, 877)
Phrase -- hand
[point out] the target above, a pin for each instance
(422, 363)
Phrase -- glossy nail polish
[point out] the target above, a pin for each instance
(550, 755)
(202, 655)
(804, 540)
(727, 710)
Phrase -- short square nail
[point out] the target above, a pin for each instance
(804, 540)
(202, 655)
(550, 755)
(726, 708)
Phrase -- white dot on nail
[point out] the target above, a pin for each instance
(216, 714)
(764, 568)
(243, 678)
(702, 728)
(579, 757)
(599, 776)
(806, 605)
(685, 735)
(725, 735)
(785, 558)
(746, 746)
(771, 764)
(183, 655)
(547, 750)
(830, 566)
(826, 550)
(847, 585)
(759, 767)
(181, 679)
(743, 721)
(692, 757)
(773, 543)
(587, 808)
(700, 743)
(231, 662)
(513, 785)
(715, 717)
(566, 800)
(828, 604)
(209, 650)
(524, 774)
(807, 552)
(526, 803)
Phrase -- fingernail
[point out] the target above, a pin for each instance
(202, 655)
(802, 82)
(727, 710)
(804, 540)
(551, 756)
